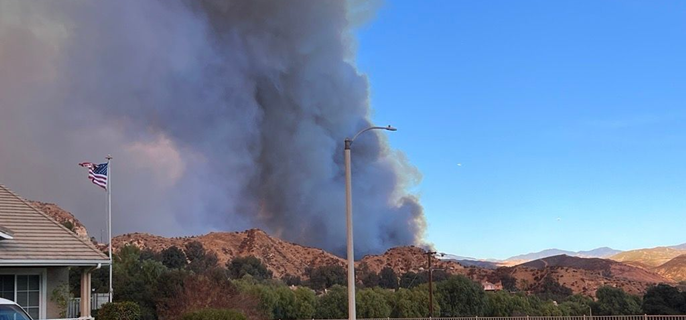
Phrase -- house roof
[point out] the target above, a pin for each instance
(38, 240)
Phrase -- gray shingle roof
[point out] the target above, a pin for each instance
(38, 239)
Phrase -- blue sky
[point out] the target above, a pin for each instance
(568, 118)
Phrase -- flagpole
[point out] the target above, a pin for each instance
(109, 219)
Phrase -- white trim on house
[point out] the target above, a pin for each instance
(43, 274)
(53, 263)
(6, 236)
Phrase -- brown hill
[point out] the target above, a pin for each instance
(568, 261)
(62, 216)
(406, 259)
(607, 267)
(585, 275)
(674, 269)
(651, 258)
(281, 257)
(582, 275)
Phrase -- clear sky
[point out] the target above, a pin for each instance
(568, 119)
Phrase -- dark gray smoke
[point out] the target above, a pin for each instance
(220, 115)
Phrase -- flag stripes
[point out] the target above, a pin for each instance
(97, 173)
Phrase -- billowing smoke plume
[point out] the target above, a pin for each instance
(220, 115)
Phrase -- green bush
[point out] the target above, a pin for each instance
(214, 314)
(126, 310)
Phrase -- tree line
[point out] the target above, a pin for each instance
(178, 281)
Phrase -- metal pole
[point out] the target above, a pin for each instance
(109, 219)
(349, 220)
(349, 227)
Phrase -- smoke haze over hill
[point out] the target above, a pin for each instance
(220, 115)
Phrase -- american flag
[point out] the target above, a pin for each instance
(97, 173)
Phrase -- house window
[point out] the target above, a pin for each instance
(28, 294)
(24, 290)
(7, 287)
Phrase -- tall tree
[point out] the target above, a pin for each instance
(250, 265)
(614, 301)
(664, 299)
(327, 276)
(174, 258)
(412, 303)
(553, 290)
(210, 290)
(305, 303)
(576, 305)
(504, 304)
(194, 250)
(136, 280)
(368, 277)
(410, 280)
(388, 278)
(460, 296)
(333, 304)
(200, 259)
(373, 303)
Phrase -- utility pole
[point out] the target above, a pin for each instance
(430, 254)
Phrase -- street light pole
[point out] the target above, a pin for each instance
(349, 220)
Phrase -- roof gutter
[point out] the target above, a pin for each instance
(94, 268)
(53, 263)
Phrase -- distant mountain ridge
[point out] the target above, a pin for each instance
(602, 252)
(471, 262)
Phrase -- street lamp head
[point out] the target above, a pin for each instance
(349, 142)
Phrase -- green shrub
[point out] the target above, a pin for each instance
(213, 314)
(126, 310)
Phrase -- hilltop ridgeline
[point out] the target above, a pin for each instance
(282, 258)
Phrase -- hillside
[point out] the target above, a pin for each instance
(584, 275)
(410, 258)
(62, 216)
(606, 267)
(648, 258)
(674, 269)
(281, 257)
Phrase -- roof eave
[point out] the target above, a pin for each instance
(52, 263)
